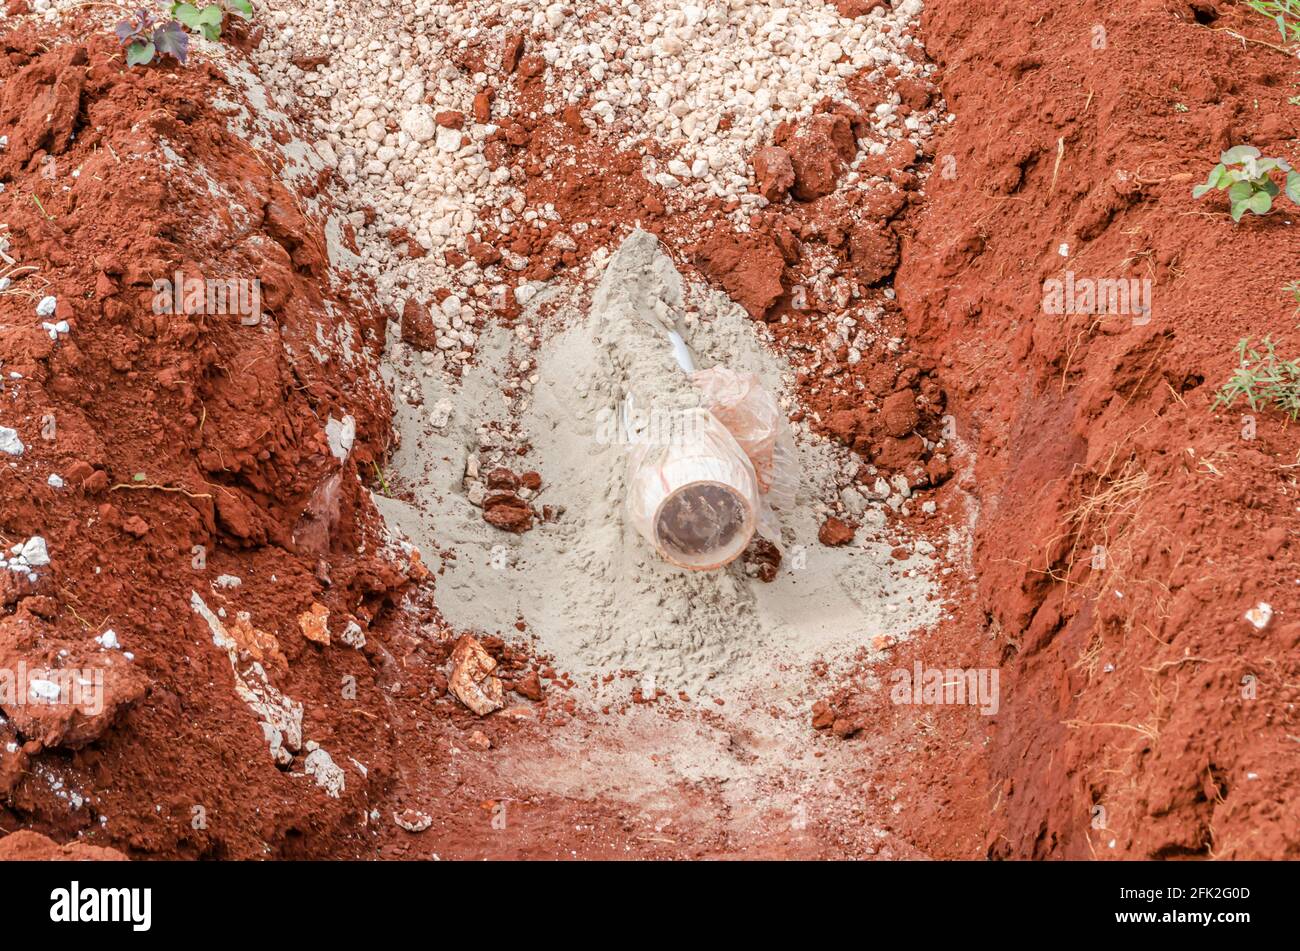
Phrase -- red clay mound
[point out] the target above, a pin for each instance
(165, 450)
(1126, 525)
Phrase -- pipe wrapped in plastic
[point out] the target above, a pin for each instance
(694, 497)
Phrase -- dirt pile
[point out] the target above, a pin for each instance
(27, 846)
(1126, 526)
(178, 448)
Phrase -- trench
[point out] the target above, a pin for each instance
(745, 712)
(1030, 598)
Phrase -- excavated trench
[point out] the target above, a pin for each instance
(1044, 509)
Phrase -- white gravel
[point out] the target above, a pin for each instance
(661, 69)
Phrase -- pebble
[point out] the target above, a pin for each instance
(665, 70)
(10, 444)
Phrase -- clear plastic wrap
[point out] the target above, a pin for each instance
(730, 469)
(695, 497)
(753, 417)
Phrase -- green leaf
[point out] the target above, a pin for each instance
(210, 15)
(1218, 174)
(1260, 203)
(139, 53)
(1238, 209)
(1238, 153)
(187, 13)
(139, 477)
(1293, 187)
(1241, 191)
(1200, 190)
(1269, 186)
(241, 8)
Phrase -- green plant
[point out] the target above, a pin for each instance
(146, 36)
(1244, 175)
(1264, 379)
(1285, 13)
(207, 19)
(383, 483)
(1293, 288)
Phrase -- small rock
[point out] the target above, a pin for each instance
(834, 533)
(9, 442)
(508, 512)
(529, 686)
(472, 680)
(440, 415)
(315, 623)
(417, 326)
(774, 171)
(1260, 615)
(502, 479)
(412, 821)
(321, 767)
(353, 636)
(845, 728)
(822, 715)
(900, 414)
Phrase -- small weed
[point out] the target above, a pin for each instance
(383, 482)
(1180, 107)
(146, 35)
(1244, 175)
(1264, 379)
(1292, 290)
(1294, 100)
(1285, 13)
(207, 19)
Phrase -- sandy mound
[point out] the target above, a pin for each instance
(589, 588)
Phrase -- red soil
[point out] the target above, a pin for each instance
(1142, 716)
(1123, 716)
(171, 432)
